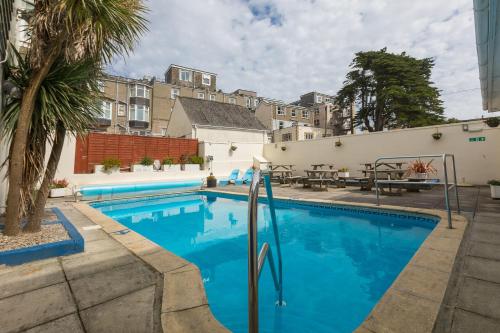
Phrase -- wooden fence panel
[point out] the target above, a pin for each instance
(129, 149)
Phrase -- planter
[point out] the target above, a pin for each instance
(171, 167)
(421, 175)
(437, 136)
(142, 168)
(191, 167)
(495, 191)
(60, 192)
(99, 169)
(212, 182)
(344, 174)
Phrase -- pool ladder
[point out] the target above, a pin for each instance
(256, 262)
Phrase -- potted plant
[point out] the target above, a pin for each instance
(492, 121)
(495, 188)
(168, 164)
(420, 169)
(343, 173)
(145, 165)
(58, 188)
(338, 143)
(211, 180)
(283, 148)
(194, 163)
(109, 166)
(437, 135)
(183, 160)
(233, 147)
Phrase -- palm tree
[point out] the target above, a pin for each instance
(72, 30)
(66, 103)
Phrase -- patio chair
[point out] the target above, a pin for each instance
(246, 178)
(233, 177)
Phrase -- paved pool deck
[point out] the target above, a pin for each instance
(119, 282)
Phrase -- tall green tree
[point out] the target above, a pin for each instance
(391, 91)
(72, 30)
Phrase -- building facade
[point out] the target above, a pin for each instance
(299, 133)
(144, 106)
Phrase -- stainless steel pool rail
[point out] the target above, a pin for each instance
(256, 262)
(447, 186)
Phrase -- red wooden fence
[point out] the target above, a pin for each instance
(129, 149)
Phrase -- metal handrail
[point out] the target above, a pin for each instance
(446, 183)
(255, 263)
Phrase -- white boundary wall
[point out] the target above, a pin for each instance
(477, 162)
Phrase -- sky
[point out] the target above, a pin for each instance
(285, 48)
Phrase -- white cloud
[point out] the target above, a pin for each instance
(284, 48)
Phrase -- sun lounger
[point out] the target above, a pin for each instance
(246, 178)
(233, 177)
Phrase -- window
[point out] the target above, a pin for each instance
(305, 114)
(205, 79)
(122, 110)
(139, 112)
(212, 97)
(286, 137)
(174, 93)
(232, 100)
(319, 99)
(138, 90)
(327, 99)
(281, 125)
(163, 132)
(100, 85)
(185, 75)
(281, 110)
(316, 122)
(293, 113)
(201, 95)
(255, 102)
(248, 102)
(308, 136)
(106, 110)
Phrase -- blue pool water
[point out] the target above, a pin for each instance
(337, 262)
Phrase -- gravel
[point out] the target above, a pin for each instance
(50, 233)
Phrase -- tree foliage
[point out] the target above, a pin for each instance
(391, 91)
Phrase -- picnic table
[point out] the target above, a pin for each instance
(389, 170)
(320, 178)
(388, 165)
(321, 165)
(280, 172)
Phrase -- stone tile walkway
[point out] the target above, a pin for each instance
(104, 289)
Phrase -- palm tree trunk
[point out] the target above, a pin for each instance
(16, 158)
(36, 215)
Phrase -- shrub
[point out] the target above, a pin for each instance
(492, 121)
(146, 161)
(110, 163)
(61, 183)
(419, 166)
(196, 160)
(167, 161)
(494, 182)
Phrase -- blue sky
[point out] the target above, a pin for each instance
(285, 48)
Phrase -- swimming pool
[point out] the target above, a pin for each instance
(337, 261)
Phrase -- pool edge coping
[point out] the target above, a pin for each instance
(407, 302)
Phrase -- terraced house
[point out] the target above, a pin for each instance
(144, 106)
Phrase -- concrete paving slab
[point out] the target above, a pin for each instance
(194, 320)
(437, 260)
(485, 250)
(92, 263)
(483, 269)
(33, 308)
(183, 289)
(485, 237)
(30, 276)
(401, 312)
(422, 282)
(104, 286)
(165, 261)
(130, 313)
(481, 297)
(68, 324)
(442, 244)
(464, 322)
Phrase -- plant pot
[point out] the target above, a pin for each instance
(437, 136)
(99, 169)
(283, 148)
(338, 143)
(212, 182)
(423, 175)
(191, 167)
(142, 168)
(495, 191)
(344, 174)
(171, 167)
(58, 192)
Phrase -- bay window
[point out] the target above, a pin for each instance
(139, 112)
(106, 110)
(138, 90)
